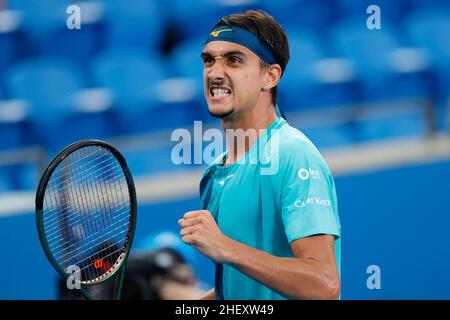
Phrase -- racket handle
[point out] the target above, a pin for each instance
(85, 294)
(118, 283)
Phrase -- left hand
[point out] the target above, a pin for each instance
(199, 229)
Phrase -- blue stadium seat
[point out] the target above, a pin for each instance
(390, 11)
(11, 137)
(385, 69)
(139, 24)
(298, 77)
(423, 4)
(309, 82)
(186, 63)
(26, 176)
(50, 85)
(131, 74)
(313, 81)
(9, 22)
(185, 58)
(46, 33)
(191, 18)
(41, 18)
(5, 181)
(134, 77)
(428, 29)
(12, 124)
(7, 51)
(314, 15)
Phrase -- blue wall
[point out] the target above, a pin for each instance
(399, 220)
(396, 219)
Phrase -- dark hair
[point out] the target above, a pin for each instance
(267, 29)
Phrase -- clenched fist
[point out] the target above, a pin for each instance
(199, 229)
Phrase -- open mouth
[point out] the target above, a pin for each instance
(219, 92)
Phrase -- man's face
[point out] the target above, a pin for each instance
(233, 78)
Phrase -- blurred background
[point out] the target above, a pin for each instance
(375, 102)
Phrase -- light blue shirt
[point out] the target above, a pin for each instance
(279, 191)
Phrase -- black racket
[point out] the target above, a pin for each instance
(86, 214)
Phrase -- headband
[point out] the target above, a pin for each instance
(244, 38)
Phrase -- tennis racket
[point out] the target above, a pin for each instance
(86, 214)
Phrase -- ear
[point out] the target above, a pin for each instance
(271, 77)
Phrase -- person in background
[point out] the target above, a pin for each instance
(160, 275)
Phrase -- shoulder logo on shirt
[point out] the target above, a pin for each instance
(312, 201)
(305, 174)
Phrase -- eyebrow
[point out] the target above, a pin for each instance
(227, 54)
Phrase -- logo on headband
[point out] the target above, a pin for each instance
(216, 33)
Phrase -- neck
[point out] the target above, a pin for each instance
(243, 130)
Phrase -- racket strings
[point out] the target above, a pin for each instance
(63, 167)
(86, 211)
(64, 250)
(101, 168)
(54, 226)
(53, 222)
(80, 233)
(79, 197)
(56, 189)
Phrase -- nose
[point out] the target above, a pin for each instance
(216, 73)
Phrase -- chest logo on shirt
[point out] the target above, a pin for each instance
(305, 174)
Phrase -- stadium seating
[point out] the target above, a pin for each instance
(135, 78)
(49, 85)
(385, 68)
(310, 74)
(423, 4)
(191, 18)
(187, 64)
(428, 29)
(390, 11)
(139, 24)
(12, 124)
(8, 24)
(5, 184)
(313, 81)
(309, 14)
(41, 18)
(136, 69)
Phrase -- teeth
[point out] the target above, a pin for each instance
(219, 92)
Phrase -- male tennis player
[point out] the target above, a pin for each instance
(275, 235)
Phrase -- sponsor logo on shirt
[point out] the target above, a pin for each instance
(312, 201)
(305, 174)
